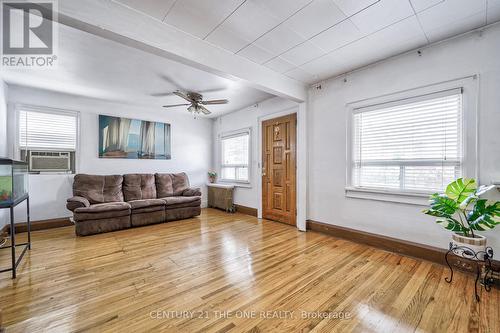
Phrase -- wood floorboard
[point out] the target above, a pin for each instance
(232, 273)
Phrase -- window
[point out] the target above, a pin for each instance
(47, 138)
(412, 145)
(235, 154)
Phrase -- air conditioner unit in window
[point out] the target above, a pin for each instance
(49, 161)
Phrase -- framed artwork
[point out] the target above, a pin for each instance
(133, 139)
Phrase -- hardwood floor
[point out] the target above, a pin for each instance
(221, 273)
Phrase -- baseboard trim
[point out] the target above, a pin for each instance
(39, 225)
(246, 210)
(402, 247)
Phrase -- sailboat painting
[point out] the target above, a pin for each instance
(133, 139)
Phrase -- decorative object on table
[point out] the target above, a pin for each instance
(461, 209)
(14, 190)
(212, 176)
(221, 196)
(133, 139)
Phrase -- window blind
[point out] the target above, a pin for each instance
(235, 156)
(47, 130)
(412, 145)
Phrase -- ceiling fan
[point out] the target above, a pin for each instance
(196, 103)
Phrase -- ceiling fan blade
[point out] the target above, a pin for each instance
(215, 101)
(162, 94)
(174, 105)
(203, 109)
(172, 82)
(212, 90)
(182, 95)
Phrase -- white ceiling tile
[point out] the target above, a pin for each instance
(256, 54)
(493, 11)
(279, 65)
(303, 53)
(350, 7)
(450, 18)
(400, 37)
(248, 23)
(316, 17)
(420, 5)
(154, 8)
(301, 75)
(321, 65)
(337, 36)
(279, 40)
(282, 9)
(200, 17)
(381, 15)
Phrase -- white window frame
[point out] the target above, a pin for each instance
(469, 86)
(44, 109)
(231, 134)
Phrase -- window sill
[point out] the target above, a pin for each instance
(235, 184)
(411, 198)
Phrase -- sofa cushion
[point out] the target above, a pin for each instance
(180, 182)
(139, 187)
(98, 189)
(192, 192)
(164, 187)
(102, 211)
(77, 202)
(179, 201)
(147, 205)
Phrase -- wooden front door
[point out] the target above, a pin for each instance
(279, 151)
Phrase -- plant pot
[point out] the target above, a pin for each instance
(211, 179)
(472, 248)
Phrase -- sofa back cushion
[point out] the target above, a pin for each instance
(171, 184)
(180, 182)
(98, 189)
(139, 186)
(164, 187)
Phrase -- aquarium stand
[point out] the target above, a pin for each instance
(481, 259)
(26, 246)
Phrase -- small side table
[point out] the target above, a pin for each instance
(27, 246)
(481, 258)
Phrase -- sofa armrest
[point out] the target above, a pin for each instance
(77, 202)
(191, 192)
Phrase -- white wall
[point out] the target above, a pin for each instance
(248, 117)
(191, 147)
(463, 56)
(3, 137)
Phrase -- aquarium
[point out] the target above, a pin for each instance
(13, 181)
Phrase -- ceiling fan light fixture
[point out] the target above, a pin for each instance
(193, 109)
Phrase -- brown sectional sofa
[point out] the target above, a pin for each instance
(108, 203)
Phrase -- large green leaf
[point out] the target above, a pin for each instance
(441, 205)
(450, 224)
(484, 216)
(475, 196)
(461, 189)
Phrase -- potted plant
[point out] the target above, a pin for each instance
(461, 210)
(212, 176)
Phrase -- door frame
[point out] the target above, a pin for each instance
(301, 162)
